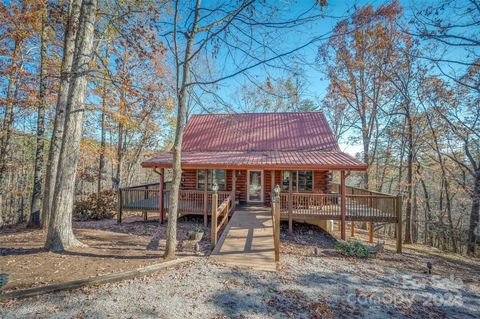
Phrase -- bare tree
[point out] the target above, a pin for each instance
(245, 33)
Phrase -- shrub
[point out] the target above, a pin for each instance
(352, 249)
(199, 229)
(96, 206)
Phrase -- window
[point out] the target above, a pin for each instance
(217, 175)
(302, 181)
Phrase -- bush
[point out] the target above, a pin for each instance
(199, 229)
(96, 206)
(352, 249)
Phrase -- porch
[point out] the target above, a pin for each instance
(350, 205)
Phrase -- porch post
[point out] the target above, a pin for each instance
(370, 232)
(160, 198)
(213, 233)
(234, 191)
(145, 196)
(352, 229)
(205, 199)
(276, 221)
(272, 173)
(290, 202)
(343, 204)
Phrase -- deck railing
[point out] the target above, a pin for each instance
(219, 217)
(145, 198)
(362, 207)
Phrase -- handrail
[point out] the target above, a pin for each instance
(222, 212)
(361, 190)
(359, 207)
(140, 186)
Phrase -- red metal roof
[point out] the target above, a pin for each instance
(295, 140)
(259, 132)
(333, 160)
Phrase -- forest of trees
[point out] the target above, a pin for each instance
(90, 88)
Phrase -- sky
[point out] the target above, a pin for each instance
(315, 84)
(314, 80)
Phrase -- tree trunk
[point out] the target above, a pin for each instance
(37, 172)
(101, 164)
(451, 225)
(60, 234)
(177, 146)
(408, 206)
(59, 122)
(474, 228)
(428, 214)
(415, 215)
(7, 125)
(120, 141)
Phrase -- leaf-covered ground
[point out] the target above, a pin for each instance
(111, 248)
(313, 282)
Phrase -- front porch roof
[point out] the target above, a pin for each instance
(274, 160)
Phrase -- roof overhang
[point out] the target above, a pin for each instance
(268, 160)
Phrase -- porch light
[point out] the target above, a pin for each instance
(277, 190)
(215, 187)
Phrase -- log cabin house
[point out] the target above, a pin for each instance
(247, 155)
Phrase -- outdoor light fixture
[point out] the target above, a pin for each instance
(429, 266)
(215, 187)
(277, 190)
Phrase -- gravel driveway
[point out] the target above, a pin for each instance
(305, 287)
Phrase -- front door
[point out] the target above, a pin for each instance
(255, 187)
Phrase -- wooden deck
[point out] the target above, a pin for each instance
(247, 240)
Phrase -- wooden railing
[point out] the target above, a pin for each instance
(145, 198)
(370, 204)
(361, 207)
(219, 216)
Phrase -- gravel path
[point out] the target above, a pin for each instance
(305, 287)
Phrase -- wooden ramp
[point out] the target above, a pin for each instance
(247, 240)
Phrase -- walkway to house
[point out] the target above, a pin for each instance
(247, 240)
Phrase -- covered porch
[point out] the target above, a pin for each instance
(343, 204)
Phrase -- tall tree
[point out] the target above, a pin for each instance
(60, 235)
(60, 111)
(42, 105)
(452, 29)
(354, 60)
(232, 29)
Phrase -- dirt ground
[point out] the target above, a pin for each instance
(111, 248)
(313, 281)
(414, 257)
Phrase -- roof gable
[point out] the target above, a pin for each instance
(259, 132)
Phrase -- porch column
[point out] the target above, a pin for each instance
(160, 198)
(290, 202)
(205, 200)
(343, 204)
(370, 232)
(234, 190)
(272, 191)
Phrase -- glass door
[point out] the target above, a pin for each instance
(255, 187)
